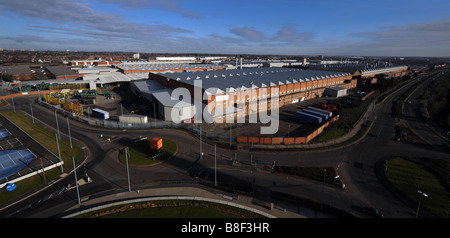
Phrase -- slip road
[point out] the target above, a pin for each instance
(234, 227)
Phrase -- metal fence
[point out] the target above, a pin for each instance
(195, 129)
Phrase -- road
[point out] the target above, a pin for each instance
(435, 136)
(355, 164)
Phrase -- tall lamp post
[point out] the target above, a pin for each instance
(422, 194)
(57, 125)
(128, 170)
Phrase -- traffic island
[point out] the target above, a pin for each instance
(406, 176)
(144, 153)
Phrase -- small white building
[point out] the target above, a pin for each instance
(335, 92)
(173, 109)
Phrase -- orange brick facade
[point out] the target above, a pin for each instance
(259, 99)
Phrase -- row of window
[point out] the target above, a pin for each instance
(247, 99)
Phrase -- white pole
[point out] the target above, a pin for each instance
(201, 153)
(422, 194)
(128, 171)
(14, 108)
(32, 116)
(154, 114)
(230, 135)
(59, 152)
(215, 166)
(70, 137)
(76, 179)
(57, 125)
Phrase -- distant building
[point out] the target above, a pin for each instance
(62, 72)
(19, 72)
(177, 59)
(143, 67)
(87, 63)
(365, 71)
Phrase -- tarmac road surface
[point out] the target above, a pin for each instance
(355, 164)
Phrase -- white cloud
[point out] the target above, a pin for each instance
(422, 39)
(75, 19)
(248, 33)
(171, 6)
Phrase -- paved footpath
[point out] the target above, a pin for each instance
(180, 193)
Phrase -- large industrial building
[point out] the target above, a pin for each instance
(364, 71)
(232, 94)
(144, 67)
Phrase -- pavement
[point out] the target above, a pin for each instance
(88, 204)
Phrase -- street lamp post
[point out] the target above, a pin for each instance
(14, 108)
(422, 194)
(59, 152)
(215, 166)
(76, 179)
(70, 137)
(128, 170)
(32, 116)
(57, 125)
(201, 152)
(230, 135)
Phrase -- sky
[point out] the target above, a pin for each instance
(288, 27)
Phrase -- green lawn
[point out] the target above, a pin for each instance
(172, 209)
(408, 177)
(326, 175)
(48, 140)
(141, 154)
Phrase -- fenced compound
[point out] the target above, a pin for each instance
(195, 129)
(21, 158)
(284, 140)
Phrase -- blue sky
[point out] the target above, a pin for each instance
(291, 27)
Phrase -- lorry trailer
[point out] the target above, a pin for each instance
(329, 113)
(322, 115)
(133, 118)
(308, 118)
(100, 114)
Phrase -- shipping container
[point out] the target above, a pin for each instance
(308, 118)
(330, 114)
(133, 118)
(322, 115)
(99, 113)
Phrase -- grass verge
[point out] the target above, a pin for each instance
(330, 134)
(140, 153)
(409, 176)
(325, 175)
(172, 209)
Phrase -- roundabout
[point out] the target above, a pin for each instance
(140, 153)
